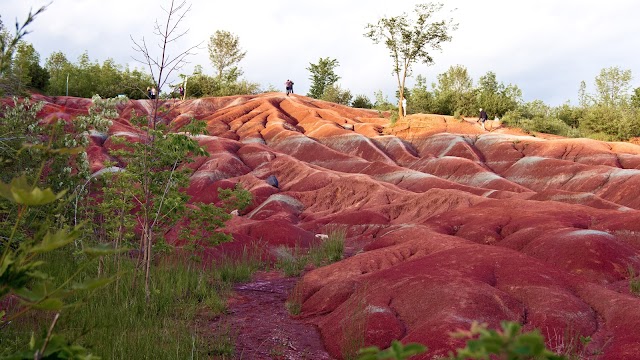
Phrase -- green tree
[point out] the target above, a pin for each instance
(322, 76)
(134, 83)
(8, 45)
(335, 94)
(454, 92)
(635, 98)
(159, 153)
(409, 40)
(382, 102)
(26, 66)
(496, 98)
(362, 102)
(21, 272)
(201, 85)
(422, 100)
(58, 67)
(225, 52)
(87, 78)
(612, 87)
(610, 109)
(570, 115)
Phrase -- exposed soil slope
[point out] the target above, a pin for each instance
(448, 223)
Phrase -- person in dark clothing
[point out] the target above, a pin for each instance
(482, 118)
(289, 86)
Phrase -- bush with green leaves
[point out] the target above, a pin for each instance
(397, 351)
(335, 94)
(33, 219)
(202, 85)
(204, 221)
(422, 100)
(86, 78)
(382, 102)
(9, 44)
(152, 180)
(362, 102)
(508, 343)
(22, 276)
(322, 76)
(328, 250)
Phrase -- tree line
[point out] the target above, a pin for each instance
(610, 112)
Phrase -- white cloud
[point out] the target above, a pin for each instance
(545, 47)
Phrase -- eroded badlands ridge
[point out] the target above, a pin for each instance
(447, 223)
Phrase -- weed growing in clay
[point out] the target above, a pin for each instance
(634, 281)
(222, 344)
(238, 270)
(294, 302)
(570, 344)
(354, 327)
(290, 261)
(329, 250)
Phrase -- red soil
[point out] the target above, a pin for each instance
(447, 223)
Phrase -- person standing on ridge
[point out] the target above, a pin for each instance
(289, 86)
(482, 118)
(404, 106)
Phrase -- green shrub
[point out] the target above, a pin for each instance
(600, 136)
(362, 102)
(290, 261)
(547, 125)
(509, 342)
(634, 281)
(335, 94)
(397, 351)
(329, 250)
(393, 118)
(231, 270)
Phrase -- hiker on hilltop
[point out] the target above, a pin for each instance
(289, 86)
(404, 106)
(482, 118)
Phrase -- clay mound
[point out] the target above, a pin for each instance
(424, 296)
(448, 223)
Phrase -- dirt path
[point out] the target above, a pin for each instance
(264, 328)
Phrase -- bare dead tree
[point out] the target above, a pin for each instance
(161, 64)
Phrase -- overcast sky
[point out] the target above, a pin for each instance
(546, 47)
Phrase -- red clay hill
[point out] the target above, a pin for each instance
(446, 223)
